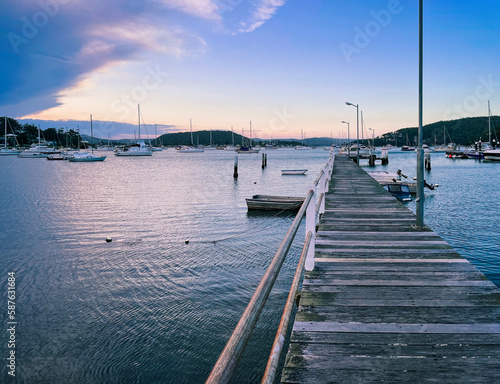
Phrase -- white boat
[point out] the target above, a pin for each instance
(302, 147)
(492, 155)
(426, 149)
(37, 151)
(293, 171)
(138, 149)
(363, 150)
(85, 157)
(8, 151)
(187, 149)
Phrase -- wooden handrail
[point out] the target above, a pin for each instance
(226, 364)
(272, 363)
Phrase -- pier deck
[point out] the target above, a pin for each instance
(389, 303)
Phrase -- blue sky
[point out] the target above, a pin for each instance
(286, 65)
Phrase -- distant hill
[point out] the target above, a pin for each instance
(218, 138)
(461, 131)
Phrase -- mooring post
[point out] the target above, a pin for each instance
(235, 173)
(263, 160)
(266, 159)
(427, 159)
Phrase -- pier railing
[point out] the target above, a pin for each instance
(312, 208)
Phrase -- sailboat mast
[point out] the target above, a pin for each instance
(5, 137)
(232, 134)
(250, 133)
(139, 118)
(489, 123)
(91, 135)
(191, 127)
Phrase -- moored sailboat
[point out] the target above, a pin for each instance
(85, 157)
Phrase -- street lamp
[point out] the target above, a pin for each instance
(357, 130)
(348, 138)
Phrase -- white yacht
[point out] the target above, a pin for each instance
(139, 149)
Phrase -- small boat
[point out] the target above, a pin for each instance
(274, 203)
(58, 156)
(186, 149)
(85, 157)
(293, 171)
(399, 191)
(243, 149)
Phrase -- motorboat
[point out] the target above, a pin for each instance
(492, 155)
(399, 191)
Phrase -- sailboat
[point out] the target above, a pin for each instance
(85, 157)
(5, 150)
(192, 148)
(302, 146)
(138, 149)
(491, 154)
(211, 147)
(157, 148)
(247, 149)
(37, 151)
(230, 147)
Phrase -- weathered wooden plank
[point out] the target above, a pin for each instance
(402, 315)
(387, 260)
(390, 293)
(398, 328)
(421, 339)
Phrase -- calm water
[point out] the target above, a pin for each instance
(148, 308)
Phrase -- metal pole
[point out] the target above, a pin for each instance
(357, 135)
(420, 151)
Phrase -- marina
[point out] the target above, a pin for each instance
(150, 288)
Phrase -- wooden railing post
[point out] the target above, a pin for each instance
(311, 227)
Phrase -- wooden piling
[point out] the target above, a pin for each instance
(235, 172)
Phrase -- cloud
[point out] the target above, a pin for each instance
(265, 10)
(51, 45)
(205, 9)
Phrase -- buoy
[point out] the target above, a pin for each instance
(186, 241)
(109, 239)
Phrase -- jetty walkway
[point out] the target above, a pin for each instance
(386, 302)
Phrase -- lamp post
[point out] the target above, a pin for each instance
(420, 151)
(357, 130)
(348, 143)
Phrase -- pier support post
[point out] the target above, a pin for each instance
(311, 227)
(427, 161)
(235, 172)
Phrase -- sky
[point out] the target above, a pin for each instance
(286, 66)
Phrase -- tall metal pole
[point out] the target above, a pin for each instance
(357, 134)
(420, 151)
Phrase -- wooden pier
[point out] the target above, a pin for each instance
(387, 302)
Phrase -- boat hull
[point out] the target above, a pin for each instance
(293, 171)
(274, 203)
